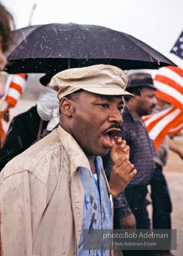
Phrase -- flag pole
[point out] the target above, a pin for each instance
(33, 9)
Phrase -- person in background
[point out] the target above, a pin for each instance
(61, 176)
(130, 206)
(6, 39)
(29, 126)
(161, 201)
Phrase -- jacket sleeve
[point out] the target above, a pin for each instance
(16, 231)
(20, 213)
(122, 209)
(17, 140)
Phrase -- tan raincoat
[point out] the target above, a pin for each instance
(41, 198)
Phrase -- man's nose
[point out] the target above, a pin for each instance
(115, 116)
(154, 100)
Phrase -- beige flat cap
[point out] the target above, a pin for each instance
(99, 79)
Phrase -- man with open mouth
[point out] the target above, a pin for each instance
(57, 188)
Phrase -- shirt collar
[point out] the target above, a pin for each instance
(98, 163)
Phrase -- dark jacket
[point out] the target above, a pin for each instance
(22, 132)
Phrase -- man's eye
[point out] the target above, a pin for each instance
(150, 96)
(120, 109)
(104, 105)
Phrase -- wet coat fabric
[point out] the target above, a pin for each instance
(41, 198)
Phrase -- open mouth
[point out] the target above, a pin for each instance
(109, 136)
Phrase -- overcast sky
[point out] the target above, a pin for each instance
(156, 22)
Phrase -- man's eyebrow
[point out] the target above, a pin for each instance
(111, 98)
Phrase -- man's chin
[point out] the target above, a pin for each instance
(105, 151)
(100, 152)
(149, 112)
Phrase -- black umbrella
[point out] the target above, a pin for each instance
(53, 47)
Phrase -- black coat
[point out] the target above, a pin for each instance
(22, 132)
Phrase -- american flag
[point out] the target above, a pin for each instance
(16, 88)
(177, 49)
(16, 85)
(169, 84)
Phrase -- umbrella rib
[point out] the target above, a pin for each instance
(83, 37)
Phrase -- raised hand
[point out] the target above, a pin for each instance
(119, 149)
(121, 175)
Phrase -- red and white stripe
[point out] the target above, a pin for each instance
(177, 129)
(3, 130)
(159, 125)
(16, 88)
(169, 82)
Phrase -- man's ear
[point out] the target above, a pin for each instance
(67, 107)
(134, 99)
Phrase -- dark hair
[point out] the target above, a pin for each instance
(6, 24)
(134, 90)
(74, 96)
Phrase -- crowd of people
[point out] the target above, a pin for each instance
(81, 159)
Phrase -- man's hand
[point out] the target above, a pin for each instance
(120, 176)
(128, 222)
(119, 149)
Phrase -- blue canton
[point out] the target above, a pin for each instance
(178, 47)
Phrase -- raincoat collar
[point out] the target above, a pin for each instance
(75, 153)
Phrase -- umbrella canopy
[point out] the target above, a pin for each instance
(54, 47)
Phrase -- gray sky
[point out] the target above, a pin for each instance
(156, 22)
